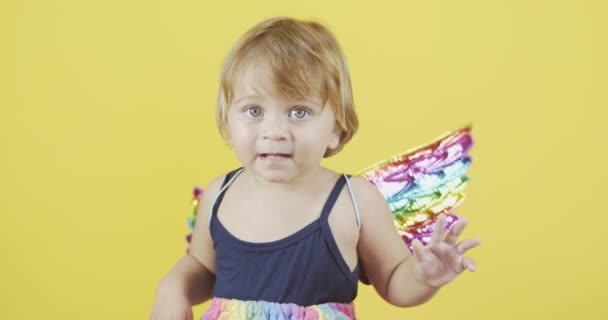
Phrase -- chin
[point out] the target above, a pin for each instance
(274, 176)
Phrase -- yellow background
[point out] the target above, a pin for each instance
(107, 122)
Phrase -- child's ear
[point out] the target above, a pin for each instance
(334, 141)
(227, 139)
(224, 128)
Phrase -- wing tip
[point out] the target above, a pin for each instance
(435, 143)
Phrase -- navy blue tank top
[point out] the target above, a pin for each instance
(305, 268)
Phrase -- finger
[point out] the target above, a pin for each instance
(467, 244)
(439, 232)
(440, 250)
(469, 264)
(453, 235)
(418, 249)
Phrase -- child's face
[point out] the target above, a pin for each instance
(277, 139)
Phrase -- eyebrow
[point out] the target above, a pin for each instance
(244, 98)
(314, 103)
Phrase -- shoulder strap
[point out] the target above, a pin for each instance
(333, 196)
(331, 199)
(220, 195)
(352, 197)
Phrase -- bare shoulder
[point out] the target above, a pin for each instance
(214, 186)
(209, 194)
(368, 197)
(201, 246)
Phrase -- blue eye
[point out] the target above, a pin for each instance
(254, 111)
(299, 113)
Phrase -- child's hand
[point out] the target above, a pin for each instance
(442, 260)
(171, 305)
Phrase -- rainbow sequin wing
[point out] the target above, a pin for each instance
(423, 182)
(196, 198)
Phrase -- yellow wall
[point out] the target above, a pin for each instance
(107, 122)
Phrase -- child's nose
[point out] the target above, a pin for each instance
(275, 129)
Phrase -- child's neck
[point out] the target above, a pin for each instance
(314, 179)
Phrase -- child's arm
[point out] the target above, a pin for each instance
(192, 277)
(399, 277)
(188, 279)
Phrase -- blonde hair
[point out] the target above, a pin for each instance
(303, 58)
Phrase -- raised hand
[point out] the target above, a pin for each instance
(442, 260)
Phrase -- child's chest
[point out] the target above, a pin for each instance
(268, 219)
(271, 219)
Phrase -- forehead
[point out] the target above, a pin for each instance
(253, 79)
(259, 79)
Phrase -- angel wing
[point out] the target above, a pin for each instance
(423, 182)
(197, 193)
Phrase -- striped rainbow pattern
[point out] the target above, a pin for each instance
(423, 182)
(232, 309)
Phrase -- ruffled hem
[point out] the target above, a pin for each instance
(233, 309)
